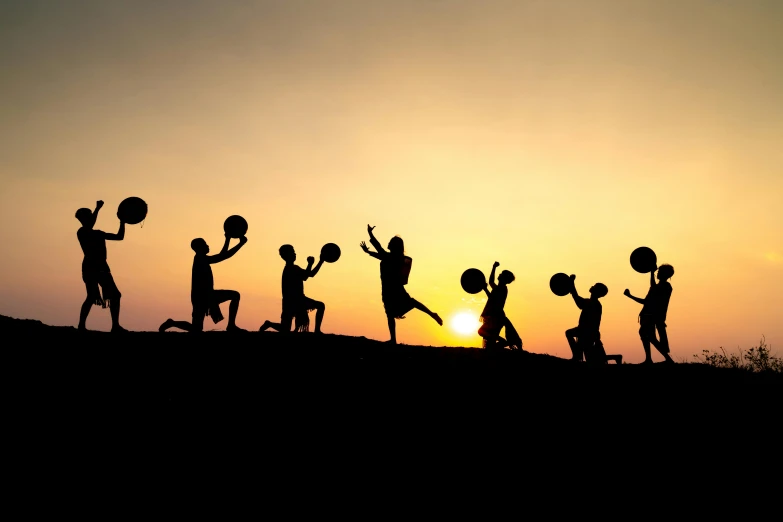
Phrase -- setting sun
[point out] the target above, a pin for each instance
(464, 323)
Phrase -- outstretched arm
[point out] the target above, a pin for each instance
(492, 275)
(368, 251)
(226, 252)
(639, 300)
(374, 242)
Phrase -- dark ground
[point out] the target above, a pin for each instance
(287, 401)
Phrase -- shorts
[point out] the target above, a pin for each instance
(98, 283)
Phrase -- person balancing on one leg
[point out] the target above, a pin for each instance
(205, 299)
(653, 314)
(296, 305)
(95, 270)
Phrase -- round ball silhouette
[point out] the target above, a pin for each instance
(473, 280)
(643, 260)
(235, 227)
(560, 284)
(132, 210)
(330, 252)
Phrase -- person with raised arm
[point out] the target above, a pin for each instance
(203, 296)
(493, 317)
(101, 289)
(396, 301)
(653, 314)
(296, 305)
(585, 339)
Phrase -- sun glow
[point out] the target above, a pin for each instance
(464, 323)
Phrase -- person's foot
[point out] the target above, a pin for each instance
(118, 329)
(234, 328)
(82, 328)
(647, 361)
(166, 325)
(437, 319)
(619, 359)
(265, 326)
(318, 332)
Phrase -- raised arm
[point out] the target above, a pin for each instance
(119, 236)
(98, 206)
(652, 276)
(310, 272)
(226, 252)
(374, 242)
(492, 275)
(577, 299)
(368, 251)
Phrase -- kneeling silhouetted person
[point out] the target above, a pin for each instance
(296, 305)
(205, 299)
(585, 339)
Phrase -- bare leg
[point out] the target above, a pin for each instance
(418, 306)
(221, 296)
(663, 344)
(114, 310)
(576, 352)
(171, 323)
(85, 310)
(392, 328)
(319, 316)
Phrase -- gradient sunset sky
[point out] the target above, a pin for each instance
(551, 136)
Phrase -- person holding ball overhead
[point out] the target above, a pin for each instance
(203, 296)
(653, 314)
(101, 289)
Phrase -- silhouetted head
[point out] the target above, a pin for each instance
(199, 246)
(85, 217)
(396, 246)
(598, 290)
(287, 253)
(665, 272)
(506, 277)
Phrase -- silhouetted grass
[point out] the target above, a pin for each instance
(756, 359)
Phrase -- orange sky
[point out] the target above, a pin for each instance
(549, 136)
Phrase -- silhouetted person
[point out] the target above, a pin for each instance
(493, 317)
(653, 314)
(396, 301)
(296, 305)
(203, 296)
(95, 270)
(585, 339)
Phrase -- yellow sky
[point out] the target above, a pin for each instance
(549, 136)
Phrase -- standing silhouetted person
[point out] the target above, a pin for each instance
(396, 301)
(585, 339)
(296, 305)
(653, 314)
(203, 296)
(493, 317)
(95, 270)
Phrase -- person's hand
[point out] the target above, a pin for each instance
(572, 277)
(118, 217)
(311, 260)
(369, 229)
(364, 246)
(627, 292)
(98, 204)
(655, 267)
(495, 264)
(242, 240)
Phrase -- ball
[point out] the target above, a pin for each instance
(330, 252)
(473, 280)
(132, 210)
(235, 227)
(643, 260)
(560, 284)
